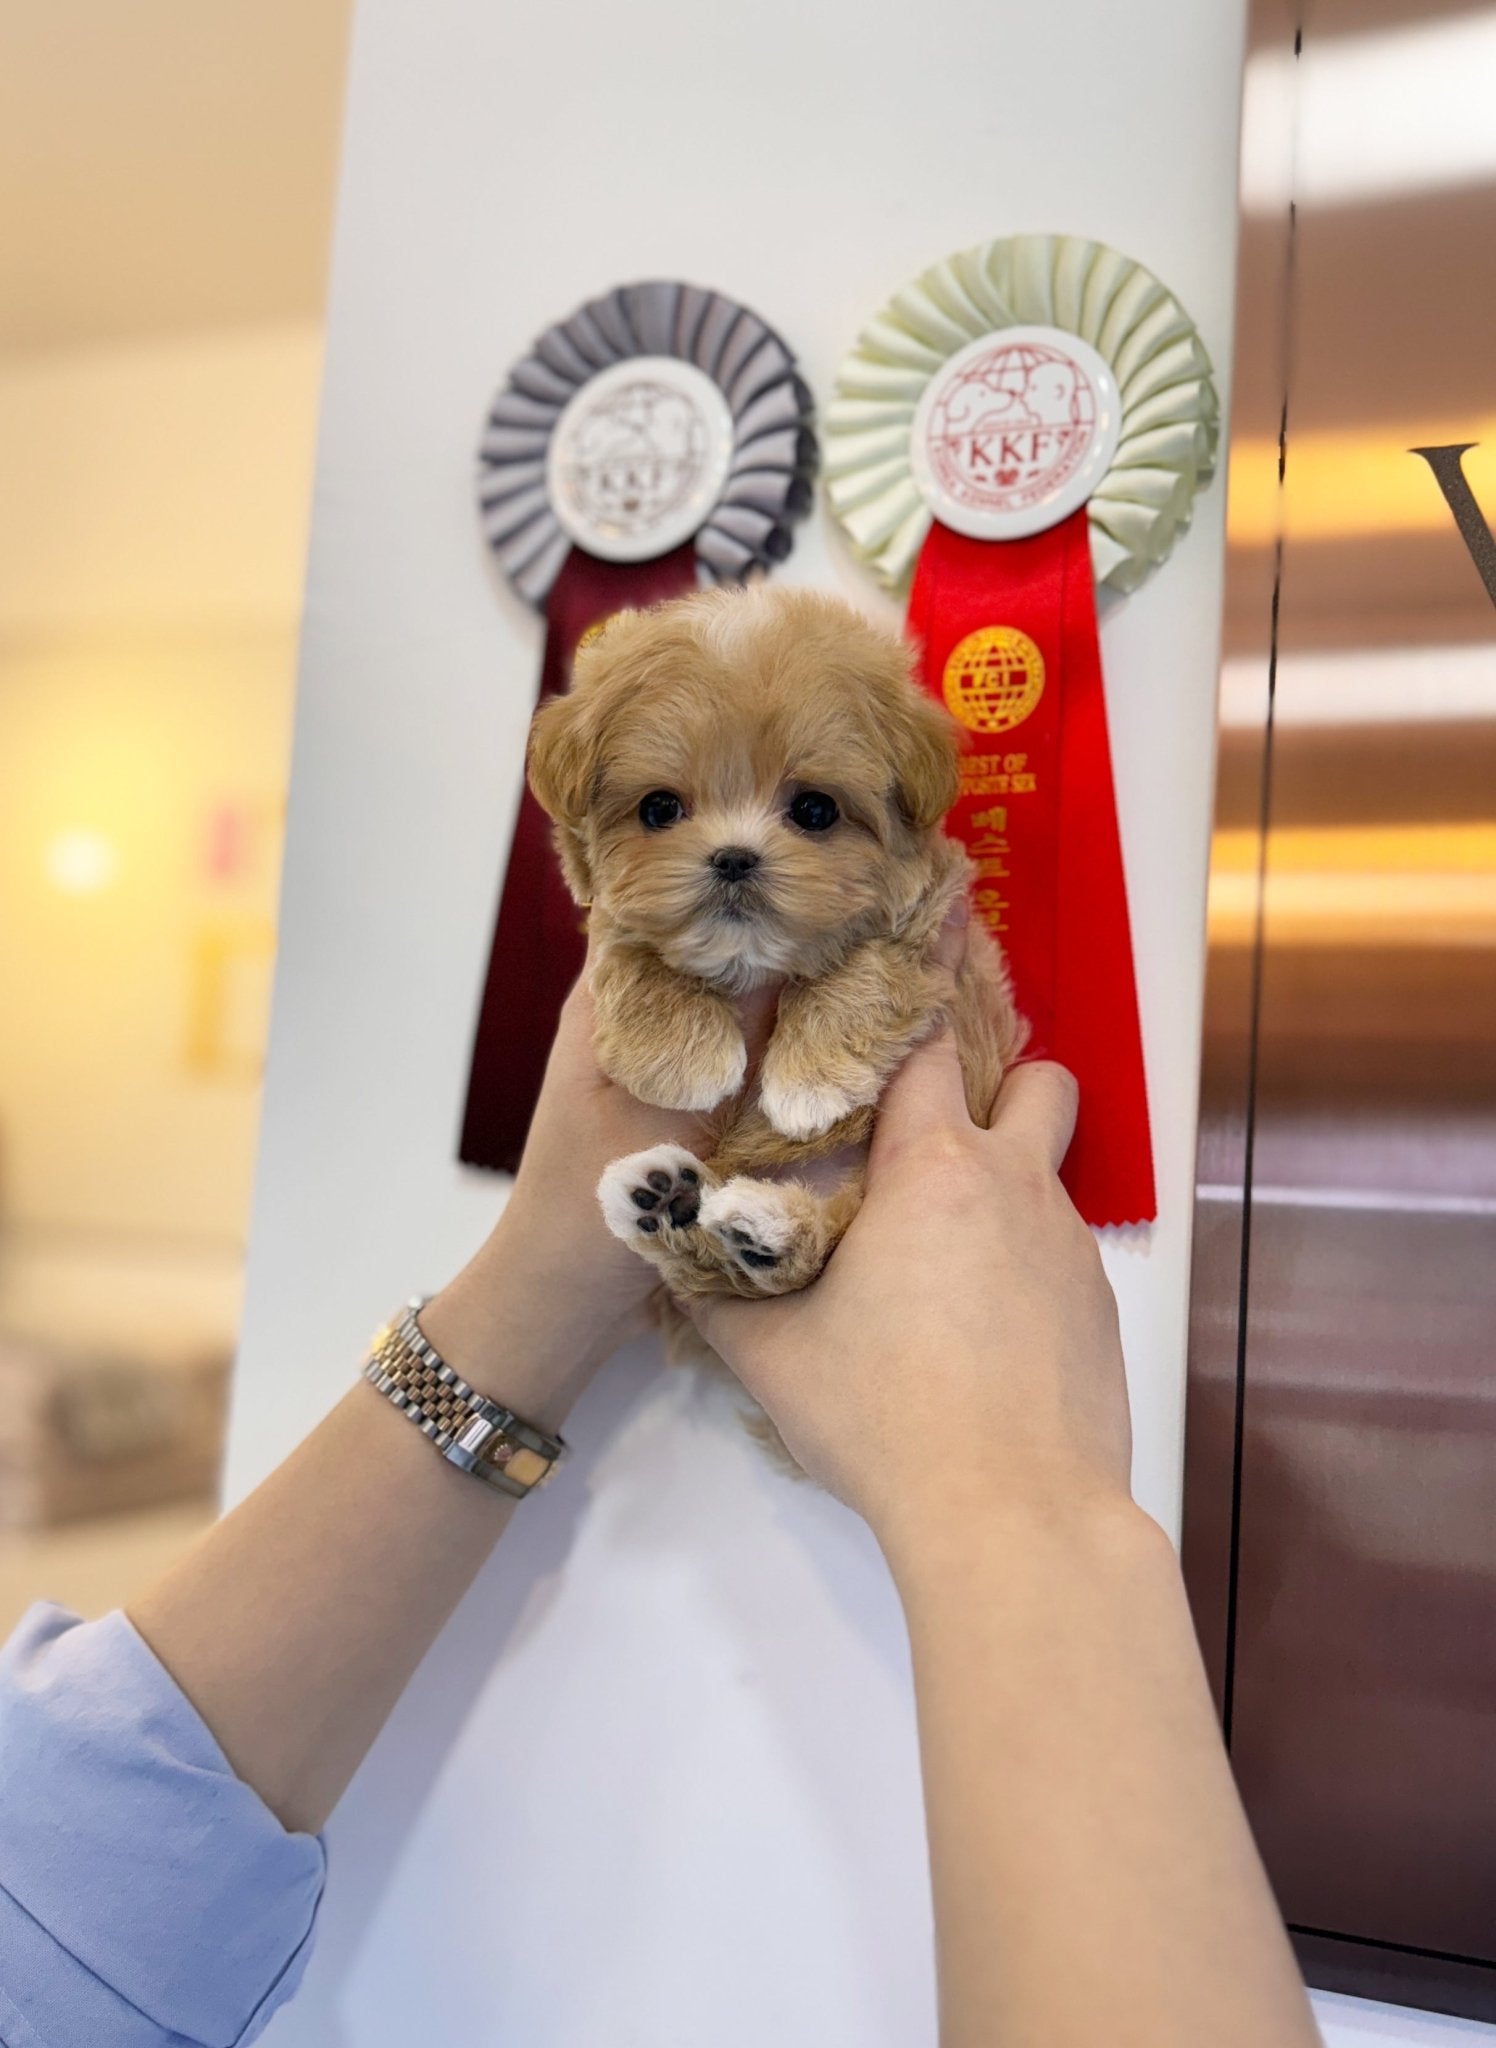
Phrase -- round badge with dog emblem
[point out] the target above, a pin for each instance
(639, 457)
(1015, 432)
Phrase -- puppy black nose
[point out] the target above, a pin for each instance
(733, 862)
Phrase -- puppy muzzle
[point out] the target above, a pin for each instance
(733, 888)
(733, 863)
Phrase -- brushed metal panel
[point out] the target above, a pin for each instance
(1340, 1495)
(1365, 1663)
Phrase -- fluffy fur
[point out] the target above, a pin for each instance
(736, 703)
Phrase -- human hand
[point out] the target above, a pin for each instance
(961, 1349)
(552, 1292)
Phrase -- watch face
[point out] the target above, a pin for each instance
(524, 1466)
(1015, 432)
(639, 458)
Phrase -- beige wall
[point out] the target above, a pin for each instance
(152, 530)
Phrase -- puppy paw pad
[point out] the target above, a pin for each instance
(640, 1192)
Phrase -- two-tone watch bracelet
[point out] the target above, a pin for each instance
(470, 1431)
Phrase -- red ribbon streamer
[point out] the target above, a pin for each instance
(1038, 815)
(538, 941)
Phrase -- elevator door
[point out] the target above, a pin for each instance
(1340, 1491)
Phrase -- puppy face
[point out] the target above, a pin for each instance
(746, 781)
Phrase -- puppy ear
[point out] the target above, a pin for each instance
(560, 762)
(925, 743)
(561, 754)
(559, 758)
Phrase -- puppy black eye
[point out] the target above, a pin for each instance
(814, 811)
(660, 808)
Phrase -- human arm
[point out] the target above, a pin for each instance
(160, 1772)
(296, 1622)
(148, 1898)
(159, 1877)
(956, 1376)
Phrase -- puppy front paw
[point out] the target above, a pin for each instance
(646, 1191)
(751, 1223)
(694, 1067)
(799, 1107)
(759, 1229)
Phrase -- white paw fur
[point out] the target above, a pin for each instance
(806, 1111)
(615, 1191)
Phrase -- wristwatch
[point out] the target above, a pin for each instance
(470, 1431)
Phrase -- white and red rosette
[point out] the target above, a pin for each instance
(1026, 420)
(1167, 418)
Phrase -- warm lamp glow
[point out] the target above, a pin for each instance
(1355, 480)
(1357, 885)
(80, 862)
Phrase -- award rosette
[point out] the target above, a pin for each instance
(659, 433)
(1026, 420)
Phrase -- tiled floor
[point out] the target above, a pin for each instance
(93, 1566)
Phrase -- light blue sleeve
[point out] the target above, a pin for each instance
(148, 1897)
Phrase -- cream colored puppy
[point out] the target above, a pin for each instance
(748, 789)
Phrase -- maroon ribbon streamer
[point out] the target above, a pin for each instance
(539, 941)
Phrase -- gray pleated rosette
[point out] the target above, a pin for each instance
(742, 441)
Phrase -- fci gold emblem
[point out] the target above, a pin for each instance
(993, 679)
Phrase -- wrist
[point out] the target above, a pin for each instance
(516, 1333)
(966, 1537)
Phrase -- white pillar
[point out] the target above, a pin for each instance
(658, 1782)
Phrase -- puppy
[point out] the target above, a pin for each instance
(747, 790)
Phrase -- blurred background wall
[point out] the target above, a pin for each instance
(166, 178)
